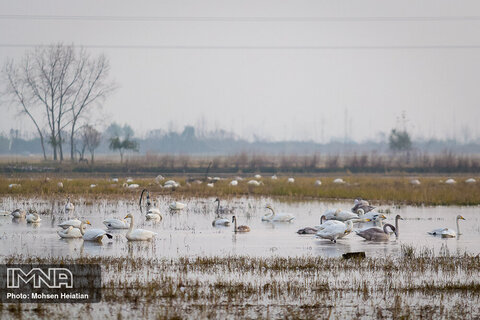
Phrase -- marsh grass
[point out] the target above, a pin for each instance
(414, 286)
(379, 189)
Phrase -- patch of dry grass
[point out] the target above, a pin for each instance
(380, 189)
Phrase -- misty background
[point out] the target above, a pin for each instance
(259, 75)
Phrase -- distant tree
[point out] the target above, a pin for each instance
(57, 84)
(91, 139)
(123, 145)
(399, 140)
(121, 139)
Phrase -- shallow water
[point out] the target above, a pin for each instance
(189, 232)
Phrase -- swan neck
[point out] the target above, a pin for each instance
(322, 219)
(273, 211)
(82, 228)
(131, 225)
(218, 207)
(385, 228)
(458, 227)
(396, 227)
(235, 224)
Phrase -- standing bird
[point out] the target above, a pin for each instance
(335, 230)
(242, 228)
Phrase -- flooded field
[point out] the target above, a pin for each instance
(192, 269)
(189, 232)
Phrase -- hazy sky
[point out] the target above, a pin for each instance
(287, 78)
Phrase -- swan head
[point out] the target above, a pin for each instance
(217, 200)
(357, 200)
(398, 217)
(234, 218)
(268, 206)
(349, 225)
(88, 222)
(379, 217)
(337, 212)
(128, 216)
(459, 217)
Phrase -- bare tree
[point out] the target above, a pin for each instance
(18, 90)
(64, 82)
(91, 139)
(91, 89)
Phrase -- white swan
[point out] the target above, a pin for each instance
(234, 183)
(153, 214)
(219, 221)
(274, 217)
(72, 232)
(137, 234)
(70, 223)
(18, 213)
(335, 230)
(337, 214)
(415, 182)
(33, 218)
(69, 206)
(95, 234)
(175, 205)
(254, 183)
(291, 180)
(447, 232)
(115, 223)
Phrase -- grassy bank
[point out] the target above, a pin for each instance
(378, 188)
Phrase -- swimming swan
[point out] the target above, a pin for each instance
(69, 206)
(175, 205)
(95, 234)
(376, 234)
(72, 232)
(446, 232)
(274, 217)
(242, 228)
(338, 214)
(137, 234)
(18, 213)
(219, 221)
(115, 223)
(73, 223)
(33, 218)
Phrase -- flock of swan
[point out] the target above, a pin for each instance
(335, 224)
